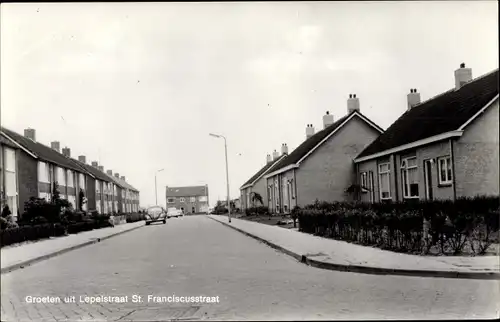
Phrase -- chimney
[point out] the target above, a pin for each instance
(327, 120)
(284, 149)
(30, 133)
(83, 159)
(413, 98)
(269, 158)
(55, 145)
(110, 172)
(462, 76)
(352, 103)
(309, 131)
(117, 175)
(95, 164)
(123, 178)
(66, 152)
(276, 155)
(101, 168)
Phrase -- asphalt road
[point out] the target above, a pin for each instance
(196, 256)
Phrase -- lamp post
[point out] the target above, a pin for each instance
(227, 175)
(156, 189)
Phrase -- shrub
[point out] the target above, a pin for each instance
(260, 210)
(399, 226)
(29, 233)
(135, 217)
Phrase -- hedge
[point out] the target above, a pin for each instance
(135, 217)
(260, 210)
(28, 233)
(446, 227)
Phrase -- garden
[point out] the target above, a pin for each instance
(467, 226)
(57, 217)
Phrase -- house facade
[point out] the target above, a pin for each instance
(190, 199)
(444, 148)
(258, 184)
(39, 167)
(322, 167)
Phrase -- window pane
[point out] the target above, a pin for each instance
(10, 184)
(203, 198)
(405, 182)
(12, 202)
(412, 162)
(414, 190)
(413, 175)
(70, 178)
(442, 170)
(10, 159)
(384, 167)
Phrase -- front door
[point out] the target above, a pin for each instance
(429, 194)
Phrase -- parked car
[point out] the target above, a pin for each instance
(174, 212)
(155, 214)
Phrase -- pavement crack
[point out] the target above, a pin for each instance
(125, 315)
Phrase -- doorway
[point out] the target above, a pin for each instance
(429, 193)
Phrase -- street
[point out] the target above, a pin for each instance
(196, 256)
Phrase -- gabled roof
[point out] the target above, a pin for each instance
(309, 145)
(191, 191)
(5, 141)
(262, 172)
(444, 113)
(43, 152)
(115, 181)
(126, 185)
(98, 174)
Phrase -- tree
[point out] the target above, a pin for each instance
(256, 197)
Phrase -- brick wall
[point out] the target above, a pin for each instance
(476, 156)
(326, 173)
(27, 168)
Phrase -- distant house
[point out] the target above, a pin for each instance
(322, 167)
(190, 199)
(258, 184)
(444, 148)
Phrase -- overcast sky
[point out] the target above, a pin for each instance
(139, 86)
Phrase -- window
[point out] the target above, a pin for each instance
(409, 175)
(181, 199)
(171, 200)
(203, 198)
(364, 181)
(97, 183)
(10, 179)
(70, 178)
(445, 170)
(82, 181)
(292, 188)
(192, 199)
(43, 172)
(384, 174)
(60, 178)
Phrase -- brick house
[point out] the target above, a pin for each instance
(190, 199)
(322, 166)
(39, 166)
(257, 183)
(443, 148)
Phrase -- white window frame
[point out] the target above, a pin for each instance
(182, 199)
(404, 177)
(448, 167)
(171, 200)
(380, 176)
(70, 178)
(192, 199)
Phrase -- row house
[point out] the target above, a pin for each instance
(189, 199)
(39, 167)
(36, 167)
(257, 184)
(322, 167)
(443, 148)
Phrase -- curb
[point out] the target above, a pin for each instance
(367, 269)
(32, 261)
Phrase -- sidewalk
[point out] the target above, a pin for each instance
(18, 256)
(342, 256)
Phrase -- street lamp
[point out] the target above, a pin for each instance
(227, 175)
(156, 189)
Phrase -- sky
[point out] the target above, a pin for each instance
(138, 87)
